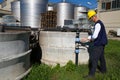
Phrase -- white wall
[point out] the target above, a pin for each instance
(111, 18)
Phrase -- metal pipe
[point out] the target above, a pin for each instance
(77, 41)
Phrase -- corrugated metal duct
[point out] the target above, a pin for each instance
(65, 11)
(14, 55)
(30, 12)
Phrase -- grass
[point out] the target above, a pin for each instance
(72, 72)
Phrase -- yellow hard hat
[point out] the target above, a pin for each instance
(91, 13)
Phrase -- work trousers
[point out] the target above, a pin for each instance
(96, 59)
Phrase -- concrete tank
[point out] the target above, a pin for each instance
(14, 55)
(65, 11)
(31, 11)
(59, 47)
(15, 7)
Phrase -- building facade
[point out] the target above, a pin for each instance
(6, 5)
(109, 13)
(5, 8)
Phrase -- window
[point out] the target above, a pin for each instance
(103, 6)
(118, 3)
(106, 5)
(114, 4)
(110, 4)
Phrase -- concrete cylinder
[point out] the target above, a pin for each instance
(59, 47)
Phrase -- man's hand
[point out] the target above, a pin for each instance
(84, 40)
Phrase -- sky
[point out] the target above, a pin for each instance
(88, 3)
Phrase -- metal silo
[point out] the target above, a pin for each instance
(30, 12)
(80, 15)
(80, 12)
(15, 7)
(50, 8)
(65, 11)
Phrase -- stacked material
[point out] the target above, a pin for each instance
(48, 19)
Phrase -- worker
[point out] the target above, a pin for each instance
(99, 39)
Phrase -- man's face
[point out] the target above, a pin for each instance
(92, 19)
